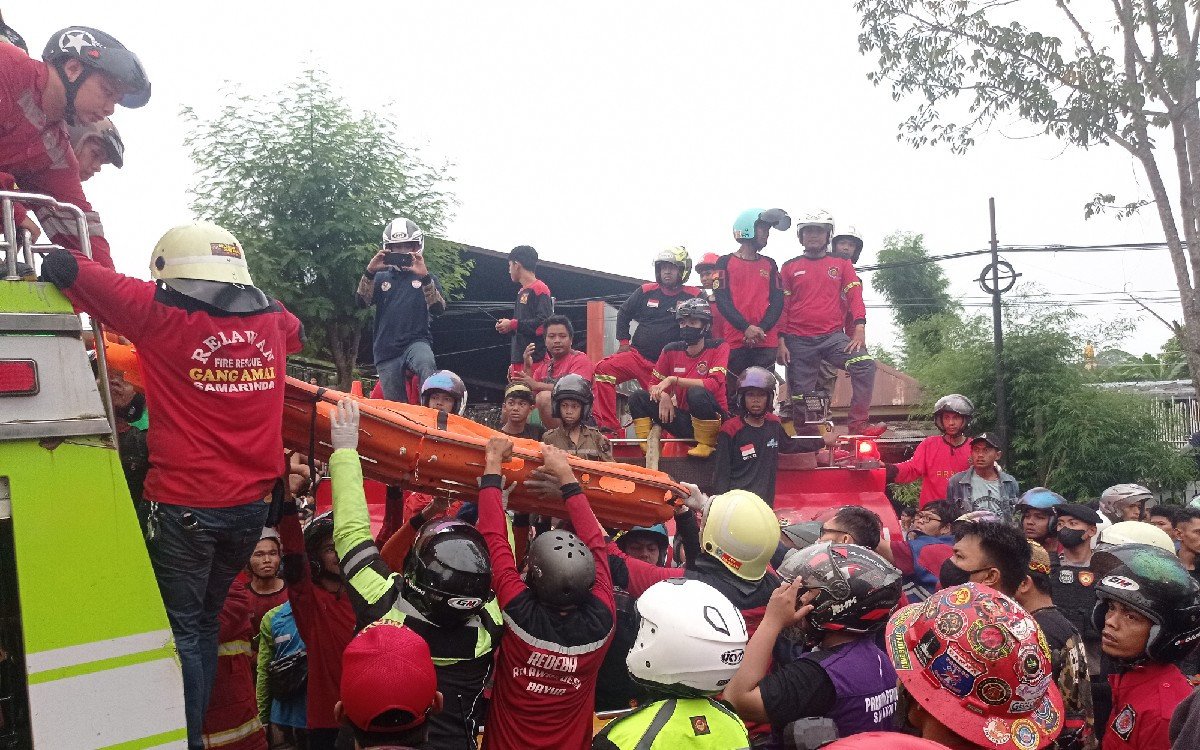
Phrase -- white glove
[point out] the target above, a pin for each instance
(343, 425)
(696, 500)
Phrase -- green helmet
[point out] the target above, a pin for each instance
(676, 256)
(743, 225)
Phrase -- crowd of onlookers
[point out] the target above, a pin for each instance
(997, 619)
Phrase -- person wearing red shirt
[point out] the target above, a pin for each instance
(938, 457)
(265, 589)
(561, 359)
(820, 290)
(687, 391)
(1148, 612)
(324, 615)
(707, 268)
(749, 294)
(534, 305)
(213, 352)
(83, 75)
(558, 623)
(232, 722)
(652, 307)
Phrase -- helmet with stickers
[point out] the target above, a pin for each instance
(675, 256)
(96, 51)
(856, 588)
(695, 307)
(744, 225)
(1154, 583)
(819, 218)
(401, 230)
(977, 661)
(446, 382)
(742, 532)
(448, 572)
(957, 403)
(690, 641)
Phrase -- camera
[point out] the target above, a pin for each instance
(398, 259)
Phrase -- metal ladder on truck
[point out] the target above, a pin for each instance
(86, 654)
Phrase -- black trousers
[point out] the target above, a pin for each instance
(701, 405)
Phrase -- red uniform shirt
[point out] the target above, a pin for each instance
(934, 462)
(818, 295)
(720, 327)
(231, 722)
(326, 624)
(261, 604)
(547, 663)
(213, 383)
(710, 366)
(748, 292)
(1143, 700)
(574, 362)
(36, 152)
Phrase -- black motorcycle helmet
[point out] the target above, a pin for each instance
(448, 572)
(575, 388)
(97, 51)
(858, 589)
(561, 568)
(1153, 582)
(316, 532)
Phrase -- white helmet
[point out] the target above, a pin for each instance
(206, 262)
(401, 229)
(818, 218)
(1136, 532)
(691, 638)
(1120, 496)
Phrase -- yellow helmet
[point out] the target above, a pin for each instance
(200, 251)
(742, 532)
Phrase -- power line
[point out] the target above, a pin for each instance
(1135, 246)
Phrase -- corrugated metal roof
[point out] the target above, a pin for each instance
(895, 392)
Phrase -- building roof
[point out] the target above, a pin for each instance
(896, 394)
(1164, 389)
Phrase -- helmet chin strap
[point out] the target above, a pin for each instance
(71, 88)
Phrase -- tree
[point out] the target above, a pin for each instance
(1126, 76)
(914, 286)
(1066, 434)
(306, 185)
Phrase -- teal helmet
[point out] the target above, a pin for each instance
(743, 225)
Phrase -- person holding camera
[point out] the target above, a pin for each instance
(406, 296)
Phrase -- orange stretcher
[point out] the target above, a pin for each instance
(430, 450)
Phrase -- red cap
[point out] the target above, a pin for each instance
(387, 667)
(978, 663)
(708, 261)
(892, 740)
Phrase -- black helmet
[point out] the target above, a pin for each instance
(447, 382)
(316, 531)
(695, 307)
(448, 572)
(755, 377)
(96, 50)
(857, 588)
(1153, 582)
(574, 388)
(956, 403)
(561, 568)
(13, 37)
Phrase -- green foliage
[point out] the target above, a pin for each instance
(1118, 366)
(307, 186)
(1064, 433)
(915, 287)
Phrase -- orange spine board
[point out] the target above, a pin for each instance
(406, 444)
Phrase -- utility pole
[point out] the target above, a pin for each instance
(998, 272)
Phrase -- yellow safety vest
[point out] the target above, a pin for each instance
(676, 723)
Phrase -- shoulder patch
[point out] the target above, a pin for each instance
(1123, 725)
(699, 725)
(649, 287)
(539, 287)
(731, 426)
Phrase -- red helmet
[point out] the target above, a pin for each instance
(875, 740)
(978, 663)
(708, 262)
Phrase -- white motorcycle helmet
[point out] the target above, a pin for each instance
(400, 230)
(1135, 532)
(691, 639)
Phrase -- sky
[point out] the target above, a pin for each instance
(603, 133)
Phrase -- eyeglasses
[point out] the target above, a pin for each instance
(825, 531)
(925, 516)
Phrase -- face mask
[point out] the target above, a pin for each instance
(952, 575)
(691, 336)
(1071, 537)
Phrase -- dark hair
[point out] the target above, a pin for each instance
(947, 510)
(1004, 547)
(1187, 514)
(1041, 582)
(559, 320)
(1169, 512)
(907, 510)
(526, 256)
(406, 737)
(862, 524)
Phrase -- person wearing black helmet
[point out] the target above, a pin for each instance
(687, 386)
(558, 622)
(571, 404)
(750, 441)
(515, 411)
(1148, 612)
(652, 307)
(939, 457)
(444, 592)
(96, 144)
(834, 598)
(83, 75)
